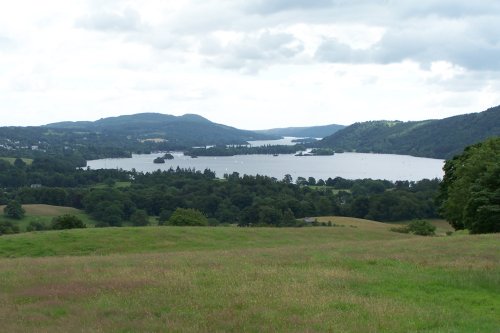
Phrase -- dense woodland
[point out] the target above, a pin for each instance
(243, 200)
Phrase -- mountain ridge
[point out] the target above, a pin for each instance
(440, 138)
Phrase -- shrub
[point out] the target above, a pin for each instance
(36, 226)
(417, 227)
(188, 217)
(421, 227)
(7, 227)
(67, 221)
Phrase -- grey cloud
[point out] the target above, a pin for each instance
(364, 9)
(128, 20)
(462, 43)
(333, 51)
(253, 52)
(446, 8)
(275, 6)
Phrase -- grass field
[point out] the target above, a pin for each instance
(11, 160)
(45, 214)
(115, 185)
(358, 277)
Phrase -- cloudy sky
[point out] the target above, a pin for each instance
(252, 64)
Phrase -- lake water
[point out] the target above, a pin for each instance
(345, 165)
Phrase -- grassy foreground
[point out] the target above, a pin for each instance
(356, 278)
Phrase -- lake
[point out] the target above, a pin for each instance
(345, 165)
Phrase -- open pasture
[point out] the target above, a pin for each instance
(359, 277)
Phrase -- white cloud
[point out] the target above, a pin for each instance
(312, 62)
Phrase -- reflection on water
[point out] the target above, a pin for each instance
(346, 165)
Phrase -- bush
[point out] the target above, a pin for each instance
(7, 227)
(417, 227)
(188, 217)
(422, 228)
(67, 221)
(36, 226)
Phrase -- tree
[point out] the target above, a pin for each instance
(470, 192)
(14, 210)
(139, 218)
(288, 218)
(287, 179)
(188, 217)
(67, 221)
(19, 163)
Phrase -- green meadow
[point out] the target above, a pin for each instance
(355, 277)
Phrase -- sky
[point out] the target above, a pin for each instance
(252, 64)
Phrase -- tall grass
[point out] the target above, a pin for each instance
(357, 278)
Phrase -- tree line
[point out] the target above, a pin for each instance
(241, 199)
(468, 197)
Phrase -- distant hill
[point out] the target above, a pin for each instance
(187, 130)
(119, 136)
(304, 132)
(429, 138)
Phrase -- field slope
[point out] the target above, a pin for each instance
(356, 277)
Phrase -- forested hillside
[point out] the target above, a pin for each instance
(186, 130)
(430, 138)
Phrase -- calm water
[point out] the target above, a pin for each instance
(346, 165)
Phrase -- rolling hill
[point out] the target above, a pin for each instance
(304, 132)
(442, 138)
